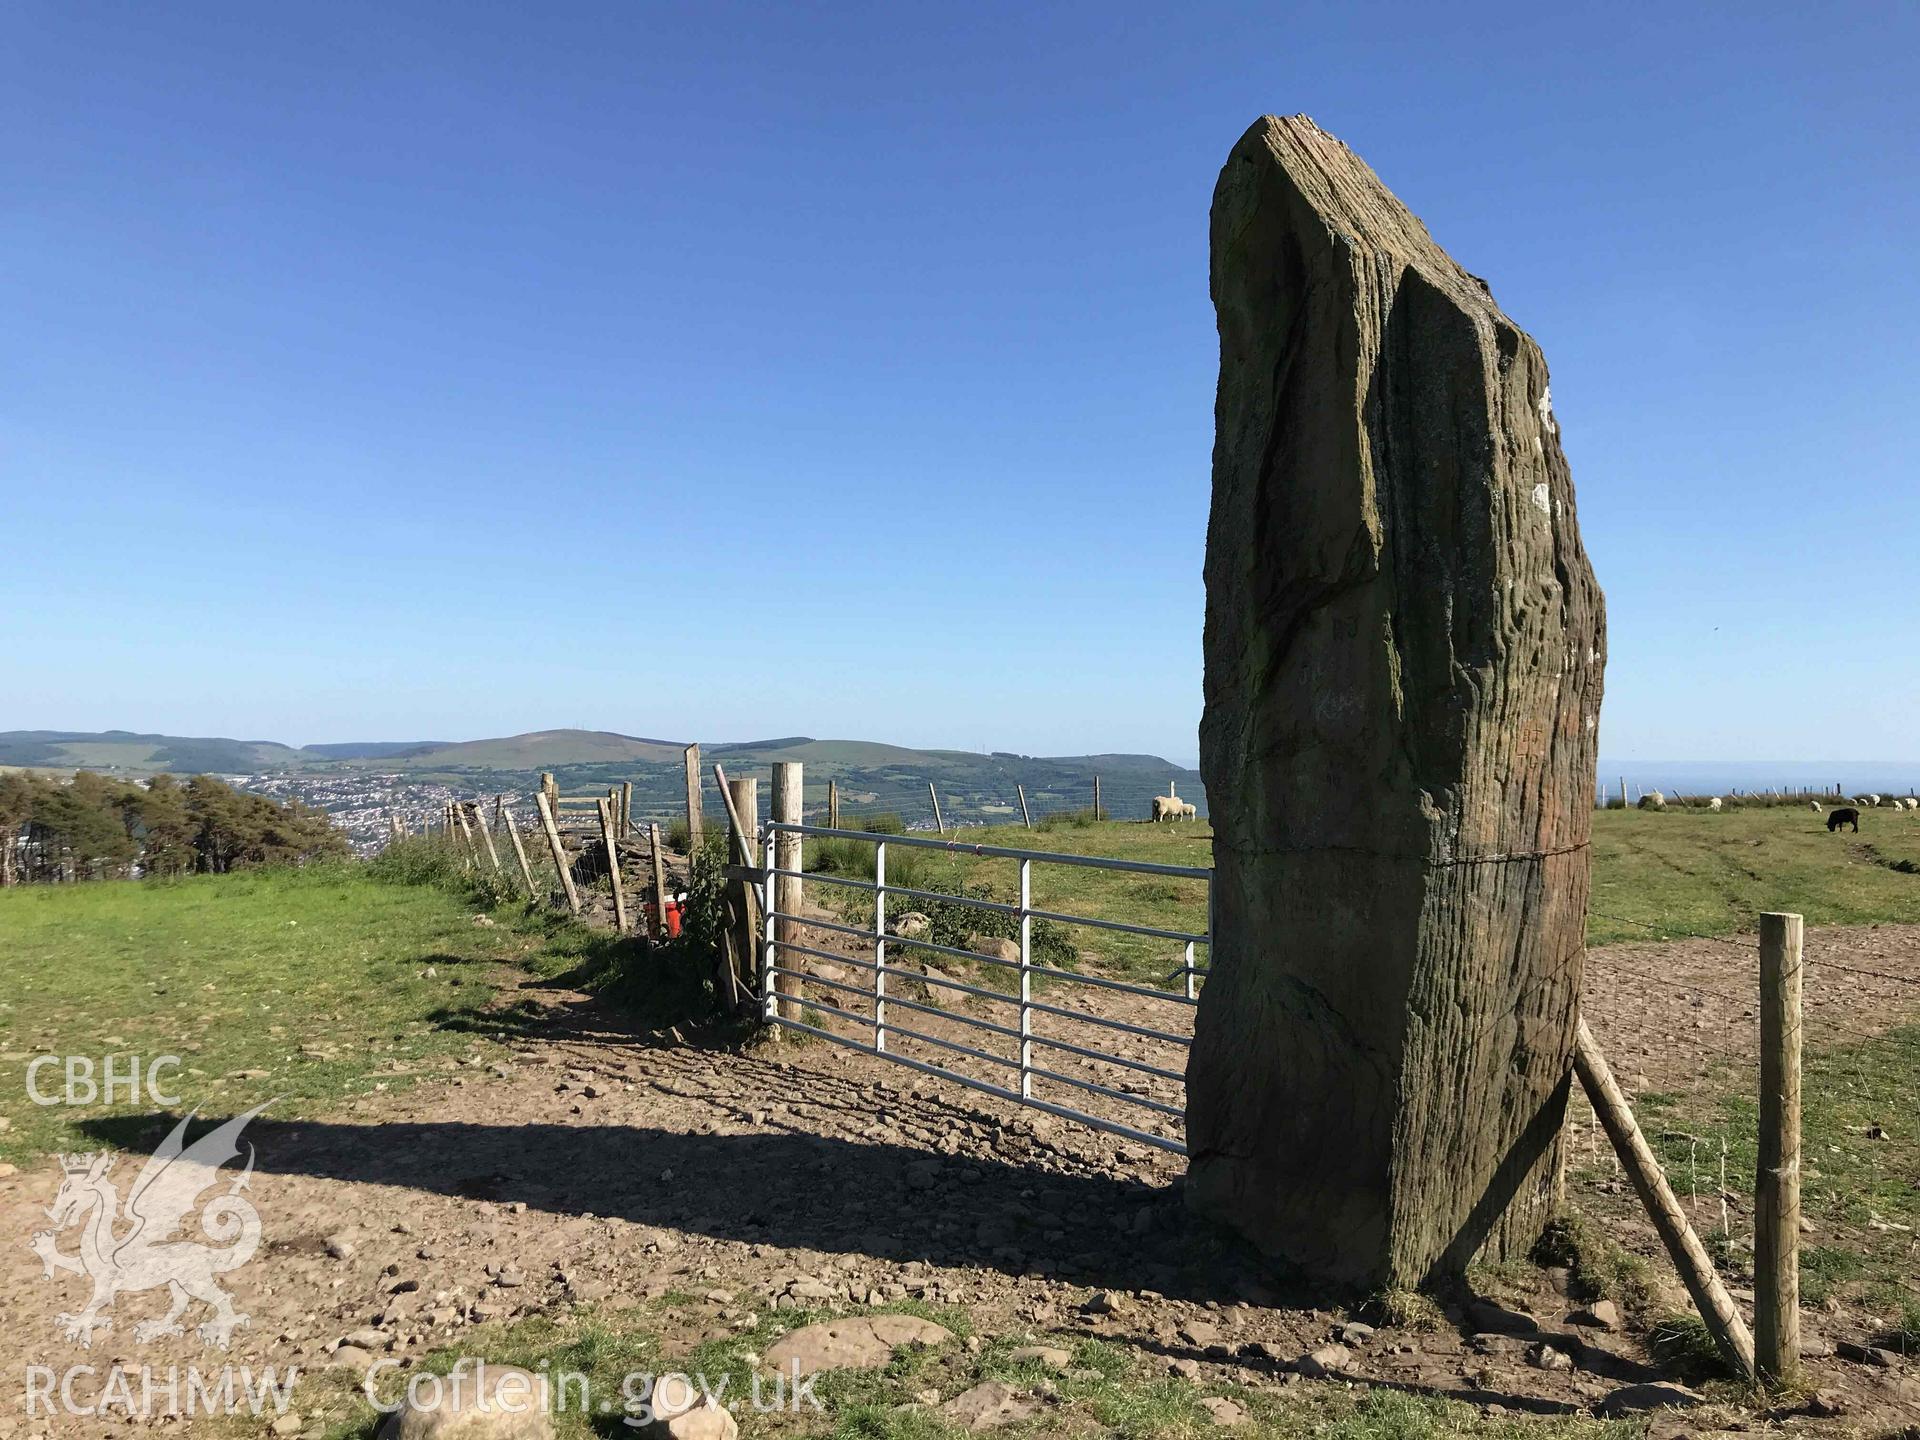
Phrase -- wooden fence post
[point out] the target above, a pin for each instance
(788, 806)
(472, 852)
(1776, 1191)
(693, 798)
(659, 884)
(519, 850)
(486, 836)
(833, 804)
(938, 823)
(612, 840)
(626, 807)
(551, 790)
(1025, 815)
(1096, 797)
(552, 827)
(1690, 1258)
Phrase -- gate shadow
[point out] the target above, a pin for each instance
(782, 1188)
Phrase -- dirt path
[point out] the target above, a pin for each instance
(590, 1165)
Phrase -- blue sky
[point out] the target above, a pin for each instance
(728, 370)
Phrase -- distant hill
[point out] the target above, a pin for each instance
(872, 776)
(143, 754)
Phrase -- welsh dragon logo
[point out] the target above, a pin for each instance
(119, 1257)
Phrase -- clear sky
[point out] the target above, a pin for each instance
(720, 371)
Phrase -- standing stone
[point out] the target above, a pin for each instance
(1404, 650)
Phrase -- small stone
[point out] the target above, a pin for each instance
(1048, 1355)
(510, 1276)
(1867, 1354)
(1657, 1395)
(1355, 1332)
(1327, 1360)
(495, 1402)
(859, 1342)
(989, 1405)
(1545, 1357)
(1109, 1302)
(1224, 1412)
(340, 1247)
(287, 1424)
(350, 1357)
(1199, 1333)
(1601, 1315)
(1827, 1402)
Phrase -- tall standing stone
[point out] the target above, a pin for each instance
(1404, 650)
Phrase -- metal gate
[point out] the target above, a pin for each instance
(872, 1005)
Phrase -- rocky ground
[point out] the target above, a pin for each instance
(583, 1164)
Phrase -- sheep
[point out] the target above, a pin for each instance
(1845, 815)
(1816, 806)
(1713, 802)
(1653, 800)
(1867, 801)
(1165, 807)
(1189, 811)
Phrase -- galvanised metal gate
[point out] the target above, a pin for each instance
(1019, 1039)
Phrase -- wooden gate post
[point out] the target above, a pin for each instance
(788, 807)
(1025, 815)
(560, 865)
(519, 850)
(938, 823)
(743, 815)
(693, 798)
(1776, 1191)
(607, 833)
(659, 884)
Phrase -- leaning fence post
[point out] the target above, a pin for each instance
(607, 824)
(938, 823)
(1776, 1192)
(788, 807)
(692, 759)
(560, 865)
(473, 850)
(1689, 1257)
(1025, 815)
(519, 850)
(486, 836)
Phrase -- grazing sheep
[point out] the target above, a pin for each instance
(1869, 801)
(1845, 815)
(1653, 800)
(1913, 804)
(1165, 807)
(1816, 806)
(1189, 812)
(1713, 802)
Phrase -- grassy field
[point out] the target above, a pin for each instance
(307, 985)
(1656, 875)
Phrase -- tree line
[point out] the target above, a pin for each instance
(95, 827)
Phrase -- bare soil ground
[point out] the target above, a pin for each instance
(593, 1166)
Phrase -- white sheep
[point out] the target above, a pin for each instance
(1713, 802)
(1165, 807)
(1653, 800)
(1817, 807)
(1189, 811)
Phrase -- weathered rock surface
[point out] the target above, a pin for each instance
(852, 1344)
(1404, 650)
(495, 1402)
(989, 1405)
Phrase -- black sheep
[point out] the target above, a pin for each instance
(1846, 815)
